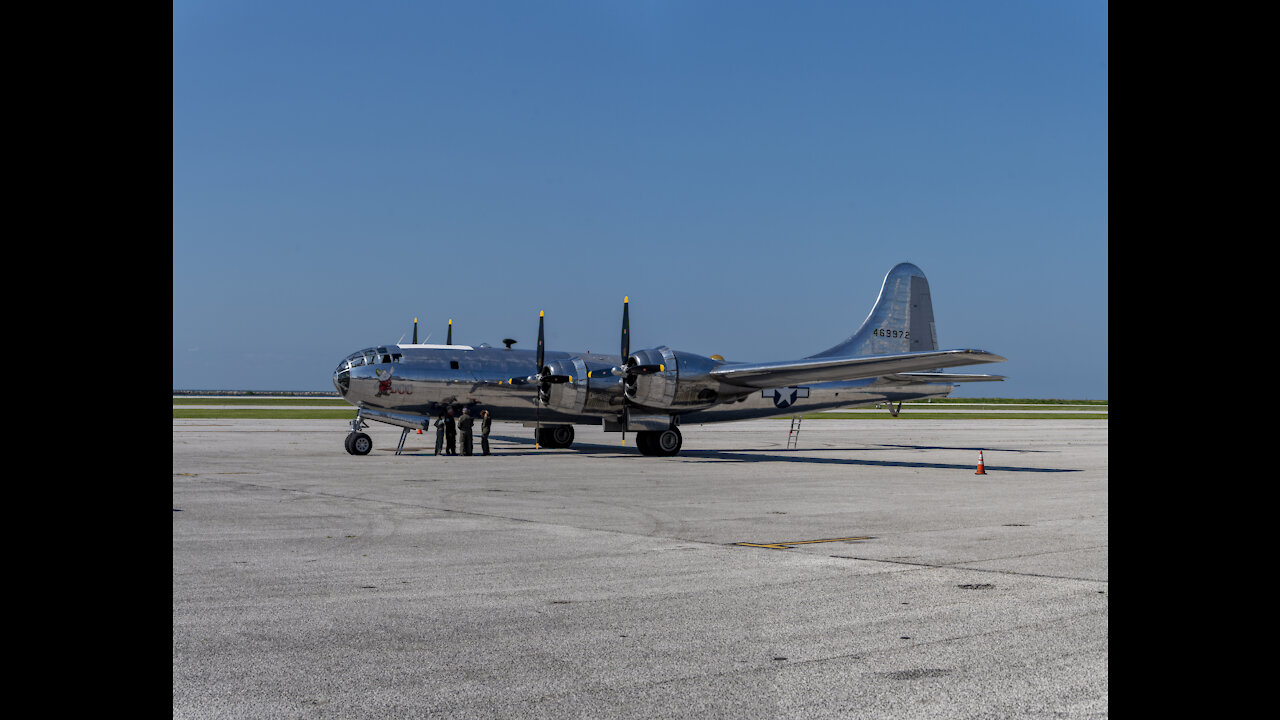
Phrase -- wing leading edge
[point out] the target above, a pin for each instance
(778, 374)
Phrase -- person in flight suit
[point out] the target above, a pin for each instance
(485, 422)
(464, 428)
(439, 433)
(450, 433)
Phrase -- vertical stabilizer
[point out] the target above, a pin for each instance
(901, 320)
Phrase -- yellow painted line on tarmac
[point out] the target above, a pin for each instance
(793, 543)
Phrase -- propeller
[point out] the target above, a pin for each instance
(626, 353)
(537, 377)
(449, 340)
(626, 368)
(415, 333)
(541, 342)
(540, 374)
(537, 402)
(544, 376)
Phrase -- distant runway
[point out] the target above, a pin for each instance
(868, 573)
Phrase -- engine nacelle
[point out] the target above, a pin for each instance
(667, 379)
(592, 388)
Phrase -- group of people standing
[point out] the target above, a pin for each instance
(448, 430)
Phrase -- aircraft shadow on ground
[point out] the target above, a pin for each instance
(751, 455)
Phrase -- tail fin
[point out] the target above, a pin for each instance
(901, 320)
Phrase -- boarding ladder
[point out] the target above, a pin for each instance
(793, 437)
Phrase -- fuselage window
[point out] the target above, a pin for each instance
(453, 364)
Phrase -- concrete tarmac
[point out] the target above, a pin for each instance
(868, 573)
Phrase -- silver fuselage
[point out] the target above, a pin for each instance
(408, 385)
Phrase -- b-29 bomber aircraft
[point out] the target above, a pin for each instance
(892, 357)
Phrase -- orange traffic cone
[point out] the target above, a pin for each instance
(982, 469)
(419, 431)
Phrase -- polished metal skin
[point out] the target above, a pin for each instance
(892, 357)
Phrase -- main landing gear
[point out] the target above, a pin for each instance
(554, 436)
(659, 442)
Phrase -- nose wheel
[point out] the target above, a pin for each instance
(358, 443)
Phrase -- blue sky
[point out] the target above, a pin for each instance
(747, 172)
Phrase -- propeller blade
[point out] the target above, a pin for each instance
(537, 401)
(541, 345)
(415, 331)
(449, 340)
(626, 353)
(626, 329)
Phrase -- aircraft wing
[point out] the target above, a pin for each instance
(942, 377)
(827, 369)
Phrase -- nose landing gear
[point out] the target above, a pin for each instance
(358, 443)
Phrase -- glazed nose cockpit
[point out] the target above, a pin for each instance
(368, 356)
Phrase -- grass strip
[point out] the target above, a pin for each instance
(265, 413)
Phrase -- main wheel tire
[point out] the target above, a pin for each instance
(667, 442)
(644, 442)
(562, 436)
(556, 436)
(359, 444)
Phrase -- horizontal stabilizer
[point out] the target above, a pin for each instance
(830, 369)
